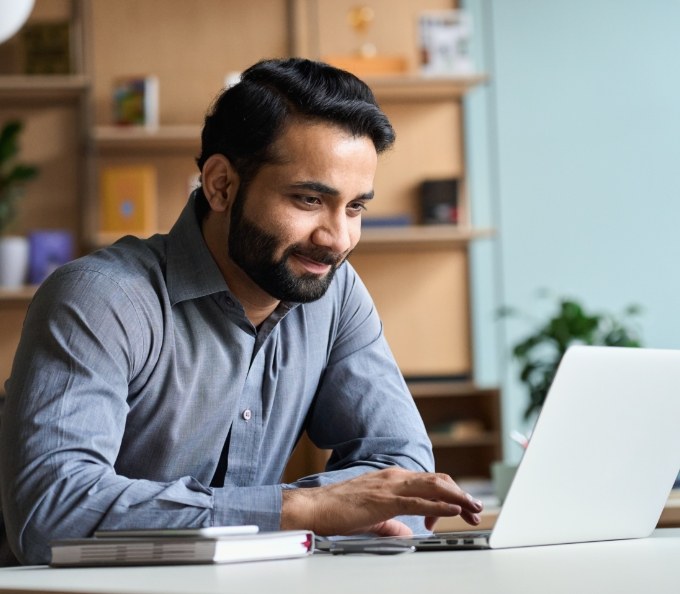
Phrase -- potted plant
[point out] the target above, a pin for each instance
(540, 352)
(13, 176)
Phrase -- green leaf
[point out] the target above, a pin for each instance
(540, 352)
(12, 174)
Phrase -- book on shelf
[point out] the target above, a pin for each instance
(176, 550)
(398, 220)
(135, 101)
(48, 249)
(128, 198)
(445, 37)
(47, 47)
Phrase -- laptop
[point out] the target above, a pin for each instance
(602, 459)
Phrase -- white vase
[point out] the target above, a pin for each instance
(13, 261)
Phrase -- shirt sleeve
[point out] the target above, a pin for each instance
(64, 420)
(364, 412)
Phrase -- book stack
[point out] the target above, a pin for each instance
(173, 547)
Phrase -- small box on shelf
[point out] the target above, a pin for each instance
(439, 201)
(135, 101)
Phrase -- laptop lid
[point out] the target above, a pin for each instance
(604, 453)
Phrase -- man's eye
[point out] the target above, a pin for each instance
(309, 200)
(357, 207)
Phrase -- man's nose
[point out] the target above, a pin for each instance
(333, 233)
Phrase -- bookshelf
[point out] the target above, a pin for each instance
(54, 109)
(411, 271)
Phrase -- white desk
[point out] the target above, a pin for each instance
(647, 565)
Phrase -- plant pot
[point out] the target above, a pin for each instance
(13, 261)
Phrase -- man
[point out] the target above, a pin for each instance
(165, 382)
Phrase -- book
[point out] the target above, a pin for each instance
(48, 249)
(207, 531)
(445, 37)
(135, 101)
(398, 220)
(47, 47)
(177, 550)
(128, 199)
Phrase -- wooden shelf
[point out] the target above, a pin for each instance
(43, 87)
(20, 294)
(446, 389)
(418, 237)
(446, 441)
(163, 138)
(463, 423)
(415, 87)
(394, 238)
(403, 87)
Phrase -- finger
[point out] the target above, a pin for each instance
(391, 527)
(417, 506)
(430, 522)
(471, 518)
(440, 487)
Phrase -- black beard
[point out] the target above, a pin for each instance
(253, 249)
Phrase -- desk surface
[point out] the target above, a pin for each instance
(632, 566)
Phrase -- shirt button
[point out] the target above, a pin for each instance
(247, 414)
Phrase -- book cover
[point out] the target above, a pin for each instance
(135, 101)
(181, 550)
(128, 199)
(48, 249)
(445, 37)
(47, 47)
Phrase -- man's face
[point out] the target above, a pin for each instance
(299, 218)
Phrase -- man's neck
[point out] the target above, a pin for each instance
(257, 304)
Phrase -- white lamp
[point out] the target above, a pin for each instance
(13, 14)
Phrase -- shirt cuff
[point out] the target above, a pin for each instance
(259, 505)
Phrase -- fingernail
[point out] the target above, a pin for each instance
(476, 502)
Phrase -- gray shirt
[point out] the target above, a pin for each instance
(137, 367)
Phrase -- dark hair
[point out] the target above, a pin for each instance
(247, 118)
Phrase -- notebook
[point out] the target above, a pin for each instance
(602, 459)
(175, 547)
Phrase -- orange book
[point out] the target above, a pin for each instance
(128, 199)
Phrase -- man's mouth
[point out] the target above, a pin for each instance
(313, 266)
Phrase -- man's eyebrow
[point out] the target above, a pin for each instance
(315, 186)
(322, 188)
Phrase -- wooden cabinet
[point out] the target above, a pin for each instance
(463, 422)
(418, 275)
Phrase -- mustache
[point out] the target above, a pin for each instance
(319, 255)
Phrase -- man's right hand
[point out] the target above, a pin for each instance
(370, 502)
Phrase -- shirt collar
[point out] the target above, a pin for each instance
(191, 269)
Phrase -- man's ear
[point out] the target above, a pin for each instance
(220, 182)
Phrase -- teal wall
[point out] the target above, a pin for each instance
(573, 150)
